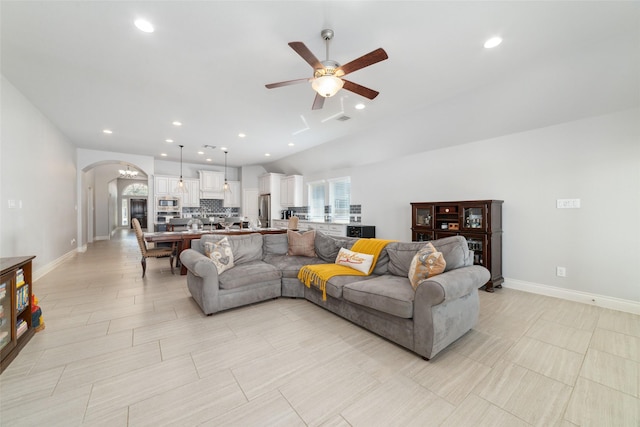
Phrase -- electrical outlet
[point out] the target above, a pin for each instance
(561, 272)
(73, 241)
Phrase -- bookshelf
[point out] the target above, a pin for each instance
(16, 282)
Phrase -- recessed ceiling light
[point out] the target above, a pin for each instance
(209, 160)
(108, 131)
(291, 144)
(201, 152)
(241, 135)
(169, 140)
(223, 148)
(359, 106)
(492, 42)
(163, 154)
(144, 25)
(267, 154)
(177, 123)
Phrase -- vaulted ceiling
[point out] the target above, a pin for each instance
(88, 68)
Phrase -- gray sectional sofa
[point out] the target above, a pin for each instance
(425, 321)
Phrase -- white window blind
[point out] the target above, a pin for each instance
(340, 198)
(316, 201)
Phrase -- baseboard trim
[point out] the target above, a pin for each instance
(101, 237)
(40, 272)
(627, 306)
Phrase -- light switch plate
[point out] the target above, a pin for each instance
(568, 203)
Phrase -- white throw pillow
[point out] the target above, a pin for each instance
(355, 260)
(220, 253)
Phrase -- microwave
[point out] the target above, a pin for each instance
(169, 203)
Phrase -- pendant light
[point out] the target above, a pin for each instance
(181, 188)
(226, 183)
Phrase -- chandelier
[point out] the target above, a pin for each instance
(128, 173)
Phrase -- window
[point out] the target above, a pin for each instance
(339, 191)
(136, 190)
(316, 201)
(340, 199)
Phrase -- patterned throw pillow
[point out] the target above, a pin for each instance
(426, 263)
(355, 260)
(220, 253)
(301, 243)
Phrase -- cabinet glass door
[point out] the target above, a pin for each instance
(424, 217)
(5, 313)
(478, 245)
(473, 218)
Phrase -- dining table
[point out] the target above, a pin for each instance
(183, 238)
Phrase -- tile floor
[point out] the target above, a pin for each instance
(122, 351)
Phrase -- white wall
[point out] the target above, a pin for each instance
(38, 171)
(596, 160)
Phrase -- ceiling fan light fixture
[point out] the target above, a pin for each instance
(327, 86)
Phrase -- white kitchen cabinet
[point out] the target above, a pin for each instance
(161, 185)
(191, 198)
(339, 230)
(291, 190)
(211, 184)
(232, 198)
(269, 183)
(166, 185)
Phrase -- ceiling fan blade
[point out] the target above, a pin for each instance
(318, 102)
(359, 89)
(306, 54)
(286, 83)
(364, 61)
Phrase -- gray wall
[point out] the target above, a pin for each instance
(38, 169)
(596, 160)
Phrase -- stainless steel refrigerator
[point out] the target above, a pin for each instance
(264, 210)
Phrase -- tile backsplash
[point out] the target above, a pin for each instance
(213, 207)
(216, 207)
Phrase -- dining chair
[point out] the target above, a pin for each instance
(158, 252)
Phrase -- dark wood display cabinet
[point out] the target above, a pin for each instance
(479, 221)
(15, 307)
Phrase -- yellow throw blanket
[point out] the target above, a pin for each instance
(319, 274)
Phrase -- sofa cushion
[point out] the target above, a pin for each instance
(301, 243)
(335, 285)
(248, 273)
(245, 247)
(454, 249)
(289, 265)
(275, 244)
(327, 247)
(355, 260)
(389, 294)
(427, 262)
(220, 253)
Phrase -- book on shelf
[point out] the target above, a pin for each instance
(21, 328)
(19, 277)
(22, 297)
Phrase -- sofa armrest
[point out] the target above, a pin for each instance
(199, 264)
(453, 284)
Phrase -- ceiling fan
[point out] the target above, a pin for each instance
(327, 75)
